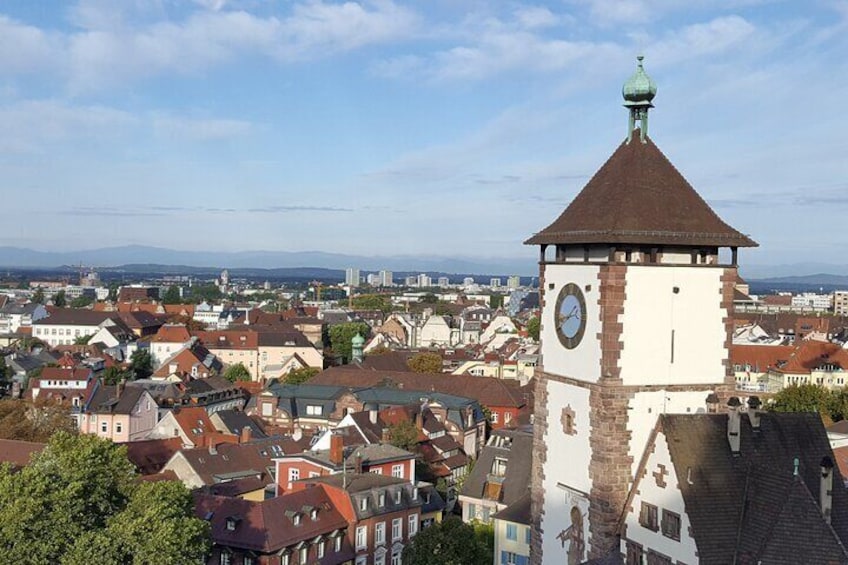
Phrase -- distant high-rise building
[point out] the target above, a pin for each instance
(411, 280)
(840, 302)
(267, 285)
(225, 277)
(467, 281)
(373, 279)
(495, 282)
(424, 280)
(352, 277)
(386, 278)
(444, 282)
(513, 282)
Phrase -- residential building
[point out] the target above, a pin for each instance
(512, 533)
(233, 347)
(810, 301)
(352, 277)
(15, 316)
(386, 279)
(443, 282)
(495, 283)
(192, 362)
(383, 513)
(120, 413)
(424, 281)
(169, 339)
(513, 282)
(299, 528)
(63, 326)
(840, 302)
(500, 476)
(72, 387)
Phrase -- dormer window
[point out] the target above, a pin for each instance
(363, 504)
(232, 523)
(381, 499)
(313, 514)
(415, 493)
(296, 519)
(397, 497)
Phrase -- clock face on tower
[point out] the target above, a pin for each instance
(570, 316)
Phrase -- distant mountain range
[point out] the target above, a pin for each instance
(321, 265)
(135, 257)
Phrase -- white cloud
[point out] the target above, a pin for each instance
(24, 48)
(532, 17)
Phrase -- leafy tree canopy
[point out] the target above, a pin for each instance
(533, 327)
(81, 302)
(425, 363)
(372, 302)
(114, 375)
(172, 295)
(404, 435)
(59, 300)
(342, 334)
(300, 376)
(79, 502)
(141, 363)
(451, 542)
(38, 296)
(36, 422)
(237, 372)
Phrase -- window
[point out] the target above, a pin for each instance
(397, 471)
(231, 524)
(75, 401)
(361, 537)
(507, 417)
(499, 467)
(494, 417)
(267, 408)
(415, 493)
(655, 558)
(321, 545)
(225, 558)
(363, 504)
(361, 560)
(337, 544)
(509, 558)
(118, 427)
(512, 532)
(381, 499)
(671, 525)
(313, 410)
(376, 471)
(380, 559)
(304, 554)
(248, 560)
(472, 511)
(634, 554)
(396, 558)
(413, 524)
(380, 533)
(294, 475)
(397, 529)
(397, 496)
(648, 516)
(286, 559)
(104, 427)
(527, 535)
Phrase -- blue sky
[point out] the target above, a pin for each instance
(439, 127)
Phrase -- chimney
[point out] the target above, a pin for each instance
(372, 416)
(826, 488)
(246, 434)
(385, 437)
(419, 418)
(754, 404)
(336, 449)
(358, 463)
(712, 403)
(733, 424)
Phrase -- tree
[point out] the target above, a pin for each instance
(404, 435)
(300, 376)
(113, 375)
(113, 292)
(429, 298)
(141, 363)
(82, 340)
(237, 372)
(803, 398)
(172, 295)
(59, 300)
(533, 327)
(38, 421)
(342, 334)
(496, 301)
(81, 301)
(155, 528)
(425, 363)
(38, 296)
(450, 542)
(372, 302)
(80, 498)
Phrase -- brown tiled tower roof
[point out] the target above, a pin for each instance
(638, 197)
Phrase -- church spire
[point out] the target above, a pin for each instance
(638, 92)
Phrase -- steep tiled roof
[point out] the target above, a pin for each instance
(639, 197)
(740, 507)
(516, 449)
(107, 400)
(268, 526)
(233, 460)
(77, 317)
(486, 390)
(18, 453)
(229, 339)
(759, 357)
(150, 455)
(172, 333)
(810, 355)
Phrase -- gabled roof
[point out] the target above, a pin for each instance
(239, 460)
(150, 455)
(18, 453)
(107, 400)
(267, 526)
(739, 506)
(77, 317)
(172, 333)
(515, 448)
(639, 197)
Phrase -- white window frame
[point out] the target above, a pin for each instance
(361, 537)
(413, 524)
(397, 529)
(380, 533)
(397, 471)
